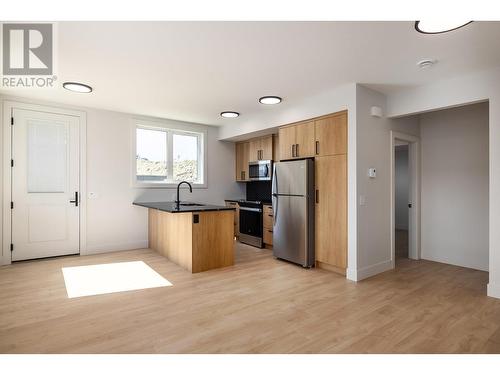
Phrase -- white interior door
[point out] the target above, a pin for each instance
(45, 184)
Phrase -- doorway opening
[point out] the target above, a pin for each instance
(405, 197)
(402, 199)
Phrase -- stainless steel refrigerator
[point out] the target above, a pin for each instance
(293, 206)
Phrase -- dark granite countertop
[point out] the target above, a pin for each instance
(184, 207)
(234, 200)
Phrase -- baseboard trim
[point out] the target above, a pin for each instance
(110, 247)
(352, 274)
(329, 267)
(374, 269)
(493, 290)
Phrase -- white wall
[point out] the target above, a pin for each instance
(402, 187)
(113, 223)
(374, 150)
(454, 196)
(455, 92)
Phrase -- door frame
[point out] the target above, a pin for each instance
(8, 107)
(414, 250)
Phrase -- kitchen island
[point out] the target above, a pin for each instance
(195, 236)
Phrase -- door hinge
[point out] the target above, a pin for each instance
(11, 162)
(12, 120)
(11, 205)
(11, 247)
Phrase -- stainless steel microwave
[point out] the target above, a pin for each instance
(260, 170)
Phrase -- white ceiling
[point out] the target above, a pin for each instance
(192, 71)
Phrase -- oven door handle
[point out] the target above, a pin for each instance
(250, 209)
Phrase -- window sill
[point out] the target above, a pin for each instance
(166, 185)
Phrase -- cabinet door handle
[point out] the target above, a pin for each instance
(317, 196)
(243, 175)
(297, 150)
(270, 231)
(293, 150)
(317, 147)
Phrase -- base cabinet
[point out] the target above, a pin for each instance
(267, 225)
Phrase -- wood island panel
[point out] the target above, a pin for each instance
(196, 247)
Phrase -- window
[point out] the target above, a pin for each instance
(166, 156)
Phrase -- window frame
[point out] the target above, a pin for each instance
(170, 128)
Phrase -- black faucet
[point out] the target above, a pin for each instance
(178, 201)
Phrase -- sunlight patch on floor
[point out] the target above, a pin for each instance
(110, 278)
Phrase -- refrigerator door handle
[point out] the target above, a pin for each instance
(275, 209)
(274, 195)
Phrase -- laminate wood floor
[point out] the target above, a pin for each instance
(260, 305)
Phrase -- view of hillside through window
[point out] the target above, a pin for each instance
(185, 157)
(153, 156)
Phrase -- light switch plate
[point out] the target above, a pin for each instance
(362, 200)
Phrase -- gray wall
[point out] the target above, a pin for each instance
(374, 150)
(455, 180)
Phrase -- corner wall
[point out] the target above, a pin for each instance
(454, 195)
(373, 150)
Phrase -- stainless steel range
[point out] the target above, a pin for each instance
(251, 222)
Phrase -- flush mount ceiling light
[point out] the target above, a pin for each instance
(77, 87)
(426, 63)
(270, 99)
(438, 27)
(229, 114)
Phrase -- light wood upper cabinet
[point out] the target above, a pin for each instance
(254, 146)
(261, 148)
(331, 135)
(331, 210)
(297, 141)
(276, 147)
(266, 147)
(287, 142)
(242, 159)
(304, 139)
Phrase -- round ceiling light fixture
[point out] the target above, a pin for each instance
(439, 27)
(229, 114)
(270, 99)
(77, 87)
(426, 63)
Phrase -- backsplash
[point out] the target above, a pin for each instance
(259, 191)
